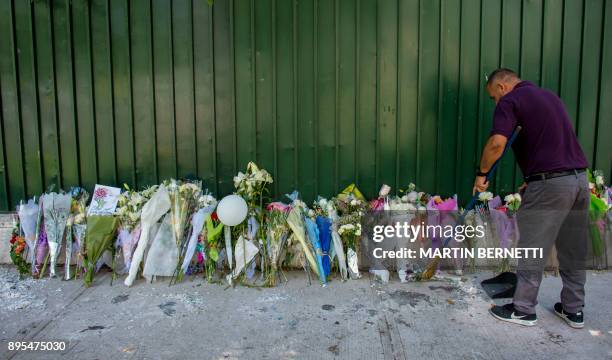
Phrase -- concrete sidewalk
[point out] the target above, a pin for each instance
(360, 319)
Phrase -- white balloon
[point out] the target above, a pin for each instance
(232, 210)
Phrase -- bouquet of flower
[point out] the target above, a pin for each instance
(504, 222)
(350, 232)
(597, 211)
(277, 232)
(213, 233)
(252, 185)
(381, 203)
(56, 209)
(18, 245)
(349, 193)
(206, 204)
(151, 212)
(99, 238)
(295, 221)
(346, 229)
(29, 218)
(323, 210)
(313, 236)
(129, 208)
(184, 199)
(76, 219)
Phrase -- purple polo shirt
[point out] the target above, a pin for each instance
(547, 141)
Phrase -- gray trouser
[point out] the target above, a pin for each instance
(554, 212)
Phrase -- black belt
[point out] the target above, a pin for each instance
(552, 174)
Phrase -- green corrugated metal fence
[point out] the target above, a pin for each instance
(319, 92)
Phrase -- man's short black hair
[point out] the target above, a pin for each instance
(500, 74)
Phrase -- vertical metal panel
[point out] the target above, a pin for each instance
(285, 97)
(366, 102)
(143, 93)
(326, 99)
(264, 90)
(26, 73)
(603, 153)
(182, 45)
(305, 98)
(46, 93)
(590, 77)
(429, 61)
(469, 89)
(387, 92)
(103, 91)
(244, 69)
(204, 93)
(163, 70)
(408, 82)
(225, 125)
(510, 52)
(84, 97)
(450, 31)
(321, 93)
(66, 107)
(122, 89)
(346, 12)
(13, 169)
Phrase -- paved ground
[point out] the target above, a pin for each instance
(352, 320)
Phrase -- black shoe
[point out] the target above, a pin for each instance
(510, 314)
(574, 320)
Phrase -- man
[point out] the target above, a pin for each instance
(554, 210)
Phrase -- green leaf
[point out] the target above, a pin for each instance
(214, 255)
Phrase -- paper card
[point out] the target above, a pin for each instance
(104, 200)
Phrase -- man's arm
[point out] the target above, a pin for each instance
(492, 151)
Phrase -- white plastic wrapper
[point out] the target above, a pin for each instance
(245, 252)
(56, 209)
(352, 264)
(337, 248)
(28, 216)
(154, 209)
(382, 275)
(197, 223)
(162, 258)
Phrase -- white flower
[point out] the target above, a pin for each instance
(134, 217)
(509, 198)
(238, 179)
(599, 180)
(137, 198)
(79, 218)
(591, 186)
(323, 203)
(485, 196)
(517, 197)
(404, 198)
(412, 196)
(354, 202)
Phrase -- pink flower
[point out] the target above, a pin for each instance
(100, 193)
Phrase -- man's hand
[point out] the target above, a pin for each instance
(522, 188)
(480, 185)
